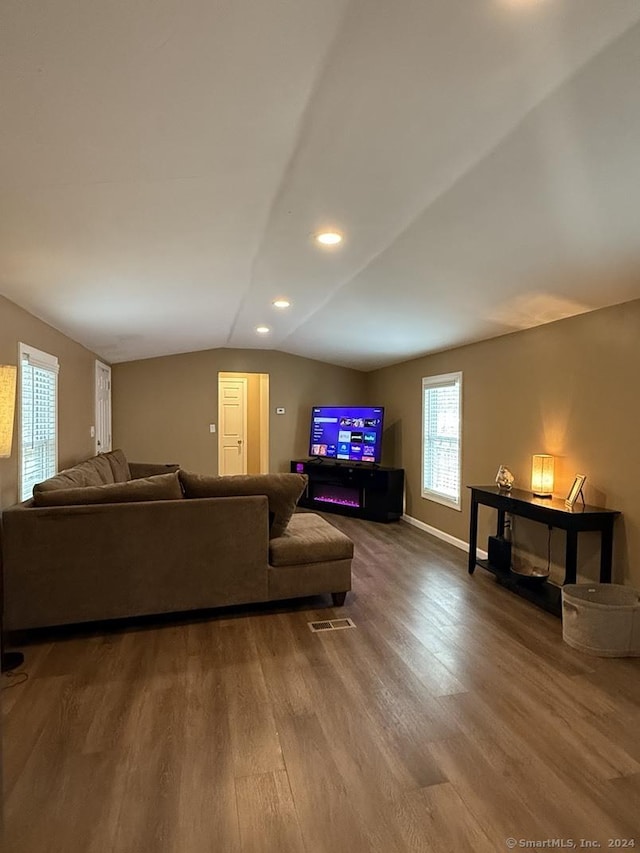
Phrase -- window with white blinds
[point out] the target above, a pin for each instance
(38, 418)
(441, 438)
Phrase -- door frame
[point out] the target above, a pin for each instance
(100, 365)
(257, 407)
(264, 423)
(243, 381)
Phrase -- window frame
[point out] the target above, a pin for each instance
(438, 381)
(45, 361)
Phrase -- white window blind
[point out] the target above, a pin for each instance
(38, 418)
(441, 433)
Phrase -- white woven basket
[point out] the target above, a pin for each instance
(602, 619)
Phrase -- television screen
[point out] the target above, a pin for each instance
(349, 433)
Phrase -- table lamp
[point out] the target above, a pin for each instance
(542, 475)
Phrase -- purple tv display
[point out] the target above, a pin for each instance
(347, 433)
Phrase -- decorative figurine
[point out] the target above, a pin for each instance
(504, 478)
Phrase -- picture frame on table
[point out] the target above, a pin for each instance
(575, 491)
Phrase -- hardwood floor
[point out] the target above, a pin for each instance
(450, 719)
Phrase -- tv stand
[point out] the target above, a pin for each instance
(361, 491)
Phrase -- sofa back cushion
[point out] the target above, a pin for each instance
(119, 465)
(84, 474)
(281, 490)
(97, 471)
(100, 468)
(164, 487)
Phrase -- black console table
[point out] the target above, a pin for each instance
(363, 491)
(553, 513)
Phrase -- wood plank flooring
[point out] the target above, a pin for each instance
(450, 719)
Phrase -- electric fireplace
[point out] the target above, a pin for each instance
(332, 493)
(359, 490)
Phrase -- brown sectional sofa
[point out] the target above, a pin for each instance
(109, 539)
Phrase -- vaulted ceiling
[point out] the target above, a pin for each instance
(165, 165)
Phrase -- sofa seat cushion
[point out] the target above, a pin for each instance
(164, 487)
(309, 539)
(282, 492)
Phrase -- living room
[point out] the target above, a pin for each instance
(451, 715)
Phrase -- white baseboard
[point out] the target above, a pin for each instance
(440, 534)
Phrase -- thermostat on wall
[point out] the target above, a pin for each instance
(280, 410)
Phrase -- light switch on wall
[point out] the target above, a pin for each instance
(212, 427)
(280, 410)
(93, 432)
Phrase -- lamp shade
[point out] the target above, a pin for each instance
(7, 407)
(542, 475)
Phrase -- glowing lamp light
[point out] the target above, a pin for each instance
(7, 407)
(542, 475)
(329, 238)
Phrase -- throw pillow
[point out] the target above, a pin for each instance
(164, 487)
(282, 491)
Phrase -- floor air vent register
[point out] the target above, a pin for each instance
(330, 625)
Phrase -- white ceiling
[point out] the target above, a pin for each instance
(164, 165)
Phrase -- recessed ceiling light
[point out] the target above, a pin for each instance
(281, 303)
(329, 238)
(262, 330)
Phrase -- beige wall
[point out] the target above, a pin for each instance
(568, 388)
(76, 381)
(162, 407)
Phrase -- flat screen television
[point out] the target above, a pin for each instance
(347, 433)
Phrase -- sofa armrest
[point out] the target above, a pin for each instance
(150, 469)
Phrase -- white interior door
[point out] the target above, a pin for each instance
(232, 420)
(103, 408)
